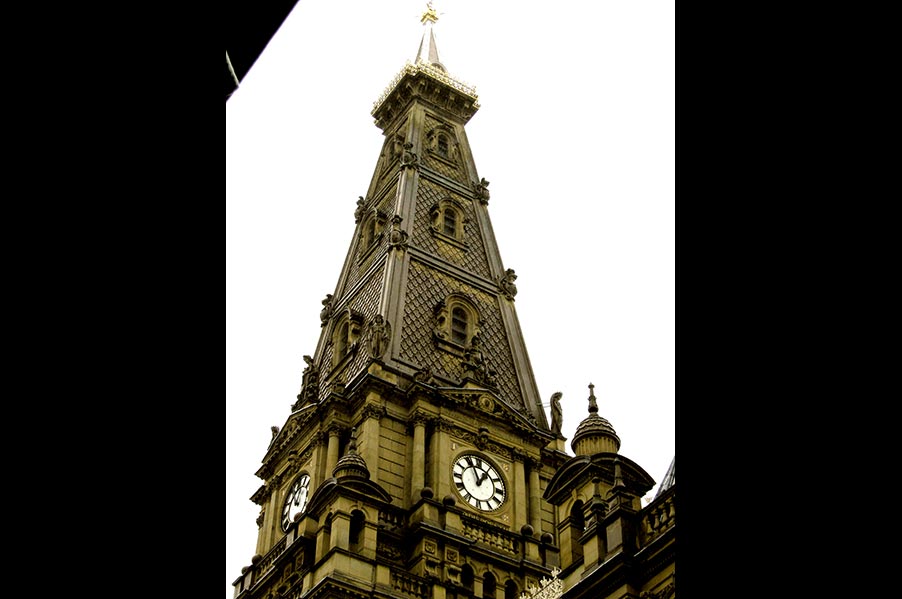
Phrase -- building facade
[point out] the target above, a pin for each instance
(418, 461)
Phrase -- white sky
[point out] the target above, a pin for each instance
(575, 135)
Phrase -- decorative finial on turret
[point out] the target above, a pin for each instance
(351, 465)
(430, 14)
(593, 405)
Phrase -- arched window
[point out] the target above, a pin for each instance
(369, 232)
(510, 590)
(577, 527)
(449, 222)
(441, 145)
(466, 578)
(345, 334)
(341, 342)
(459, 325)
(456, 323)
(355, 536)
(488, 586)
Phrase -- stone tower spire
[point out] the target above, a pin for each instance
(423, 291)
(420, 386)
(428, 51)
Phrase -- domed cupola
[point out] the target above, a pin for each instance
(594, 434)
(351, 465)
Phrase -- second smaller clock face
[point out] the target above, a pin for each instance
(296, 500)
(478, 482)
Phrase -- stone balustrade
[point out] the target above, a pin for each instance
(658, 516)
(493, 538)
(408, 585)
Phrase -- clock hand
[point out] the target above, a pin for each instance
(482, 478)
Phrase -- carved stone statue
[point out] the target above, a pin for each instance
(380, 335)
(557, 413)
(482, 191)
(398, 236)
(440, 313)
(409, 158)
(358, 212)
(507, 283)
(424, 375)
(326, 312)
(397, 147)
(474, 363)
(309, 384)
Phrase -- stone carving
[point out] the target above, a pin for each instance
(441, 317)
(373, 411)
(409, 158)
(397, 147)
(557, 413)
(507, 284)
(435, 214)
(665, 593)
(358, 212)
(474, 363)
(309, 384)
(424, 375)
(326, 312)
(397, 236)
(445, 425)
(482, 438)
(388, 551)
(379, 336)
(482, 191)
(355, 326)
(419, 418)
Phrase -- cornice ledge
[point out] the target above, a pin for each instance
(481, 283)
(293, 427)
(446, 182)
(411, 82)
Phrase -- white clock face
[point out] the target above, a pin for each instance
(296, 500)
(478, 482)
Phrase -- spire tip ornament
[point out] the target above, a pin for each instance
(430, 14)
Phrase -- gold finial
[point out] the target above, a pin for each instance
(430, 14)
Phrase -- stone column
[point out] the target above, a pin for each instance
(418, 461)
(272, 515)
(332, 451)
(519, 489)
(535, 491)
(368, 432)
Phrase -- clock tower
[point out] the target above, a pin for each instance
(415, 460)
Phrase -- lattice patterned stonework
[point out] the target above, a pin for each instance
(365, 301)
(425, 288)
(474, 259)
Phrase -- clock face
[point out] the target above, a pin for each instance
(296, 500)
(478, 482)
